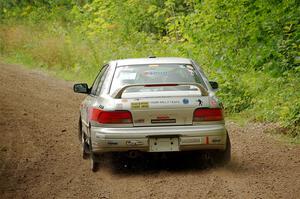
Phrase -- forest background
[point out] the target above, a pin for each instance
(250, 47)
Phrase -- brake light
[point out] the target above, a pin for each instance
(159, 85)
(110, 117)
(208, 114)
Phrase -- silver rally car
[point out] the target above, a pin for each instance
(152, 105)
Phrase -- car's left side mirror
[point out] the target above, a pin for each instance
(81, 88)
(214, 85)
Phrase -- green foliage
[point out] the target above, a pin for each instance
(251, 47)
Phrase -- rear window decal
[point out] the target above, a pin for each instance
(153, 65)
(127, 75)
(155, 73)
(190, 67)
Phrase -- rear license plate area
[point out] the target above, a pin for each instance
(163, 144)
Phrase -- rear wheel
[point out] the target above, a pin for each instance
(83, 140)
(223, 157)
(94, 164)
(84, 146)
(93, 158)
(79, 129)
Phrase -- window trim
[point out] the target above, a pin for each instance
(101, 82)
(195, 66)
(99, 76)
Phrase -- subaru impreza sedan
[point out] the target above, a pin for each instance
(152, 105)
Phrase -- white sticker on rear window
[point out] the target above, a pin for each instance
(155, 73)
(190, 67)
(153, 65)
(126, 75)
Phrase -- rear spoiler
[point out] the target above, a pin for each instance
(118, 93)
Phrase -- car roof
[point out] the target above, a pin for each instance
(154, 60)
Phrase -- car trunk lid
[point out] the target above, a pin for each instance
(164, 111)
(163, 104)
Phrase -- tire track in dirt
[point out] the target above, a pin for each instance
(40, 155)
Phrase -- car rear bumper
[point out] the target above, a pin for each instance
(202, 137)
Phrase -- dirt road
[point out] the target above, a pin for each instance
(40, 158)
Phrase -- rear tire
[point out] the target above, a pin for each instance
(94, 164)
(79, 129)
(84, 146)
(93, 159)
(223, 157)
(83, 140)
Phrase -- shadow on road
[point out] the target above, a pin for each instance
(151, 163)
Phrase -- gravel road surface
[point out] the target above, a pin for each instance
(40, 154)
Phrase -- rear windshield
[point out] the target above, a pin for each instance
(155, 74)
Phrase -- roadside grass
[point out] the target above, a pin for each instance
(69, 54)
(284, 135)
(242, 118)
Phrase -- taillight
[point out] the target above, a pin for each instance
(208, 114)
(159, 85)
(110, 117)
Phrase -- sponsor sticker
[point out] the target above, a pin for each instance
(139, 105)
(139, 121)
(101, 106)
(185, 101)
(144, 104)
(135, 105)
(199, 102)
(165, 102)
(213, 103)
